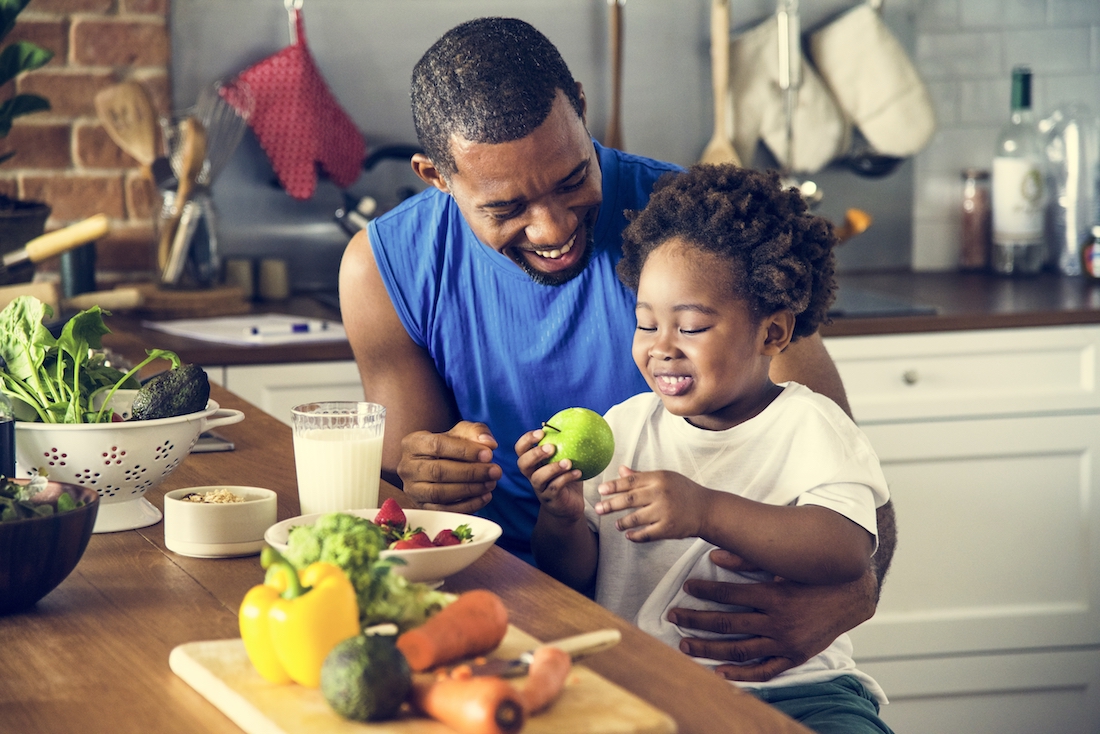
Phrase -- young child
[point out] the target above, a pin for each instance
(728, 268)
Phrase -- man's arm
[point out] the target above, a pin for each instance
(808, 362)
(395, 372)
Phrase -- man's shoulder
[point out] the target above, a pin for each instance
(633, 166)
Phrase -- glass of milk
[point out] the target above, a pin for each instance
(338, 455)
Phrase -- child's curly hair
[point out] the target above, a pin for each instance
(780, 256)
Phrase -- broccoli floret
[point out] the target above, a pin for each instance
(354, 544)
(350, 542)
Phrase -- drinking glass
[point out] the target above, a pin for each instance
(338, 455)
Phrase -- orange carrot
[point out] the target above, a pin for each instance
(477, 705)
(545, 678)
(473, 624)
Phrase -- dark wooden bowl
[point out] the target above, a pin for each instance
(37, 554)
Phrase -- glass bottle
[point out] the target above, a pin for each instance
(1090, 254)
(976, 213)
(1019, 195)
(7, 437)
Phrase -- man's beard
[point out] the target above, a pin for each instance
(564, 276)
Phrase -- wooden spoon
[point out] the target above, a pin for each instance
(720, 148)
(614, 136)
(127, 115)
(192, 154)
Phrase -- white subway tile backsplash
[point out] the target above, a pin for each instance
(958, 55)
(945, 101)
(968, 71)
(1048, 50)
(937, 15)
(1072, 12)
(935, 244)
(1058, 90)
(955, 148)
(939, 195)
(984, 101)
(1004, 14)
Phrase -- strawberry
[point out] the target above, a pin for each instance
(419, 539)
(391, 514)
(457, 536)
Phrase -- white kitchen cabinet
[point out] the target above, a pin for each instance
(277, 388)
(990, 616)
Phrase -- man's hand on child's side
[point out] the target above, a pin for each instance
(666, 504)
(789, 624)
(558, 486)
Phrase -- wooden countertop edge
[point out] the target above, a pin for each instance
(877, 326)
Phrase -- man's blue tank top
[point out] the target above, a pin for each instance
(512, 351)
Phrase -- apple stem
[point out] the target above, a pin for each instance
(547, 425)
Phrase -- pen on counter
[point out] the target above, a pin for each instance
(299, 327)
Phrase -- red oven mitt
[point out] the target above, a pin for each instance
(298, 121)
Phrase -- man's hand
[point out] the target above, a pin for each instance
(790, 623)
(450, 471)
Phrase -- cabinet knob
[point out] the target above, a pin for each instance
(910, 377)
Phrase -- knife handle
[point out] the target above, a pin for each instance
(60, 240)
(588, 643)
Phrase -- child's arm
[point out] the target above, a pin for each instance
(807, 543)
(563, 544)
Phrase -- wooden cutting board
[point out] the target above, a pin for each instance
(221, 672)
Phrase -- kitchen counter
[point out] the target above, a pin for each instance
(965, 301)
(943, 301)
(93, 655)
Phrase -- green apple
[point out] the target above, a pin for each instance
(582, 436)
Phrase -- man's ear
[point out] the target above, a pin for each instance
(427, 172)
(777, 330)
(584, 104)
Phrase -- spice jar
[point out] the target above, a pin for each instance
(976, 220)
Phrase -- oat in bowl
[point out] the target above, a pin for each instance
(218, 521)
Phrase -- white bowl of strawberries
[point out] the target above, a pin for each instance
(433, 544)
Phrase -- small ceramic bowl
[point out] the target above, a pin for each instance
(218, 530)
(424, 565)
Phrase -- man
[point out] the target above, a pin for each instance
(488, 302)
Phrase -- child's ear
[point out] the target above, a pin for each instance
(777, 330)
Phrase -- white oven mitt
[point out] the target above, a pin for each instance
(820, 130)
(874, 82)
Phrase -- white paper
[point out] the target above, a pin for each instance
(257, 330)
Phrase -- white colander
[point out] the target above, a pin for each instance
(121, 461)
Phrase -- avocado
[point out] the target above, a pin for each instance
(366, 678)
(186, 389)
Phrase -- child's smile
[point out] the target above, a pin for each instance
(698, 346)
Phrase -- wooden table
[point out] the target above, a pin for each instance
(93, 655)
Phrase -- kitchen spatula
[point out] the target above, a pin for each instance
(127, 115)
(614, 136)
(720, 148)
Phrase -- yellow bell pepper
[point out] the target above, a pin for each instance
(292, 621)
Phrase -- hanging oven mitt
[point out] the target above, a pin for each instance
(874, 82)
(820, 130)
(298, 121)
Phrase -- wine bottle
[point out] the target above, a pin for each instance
(1019, 195)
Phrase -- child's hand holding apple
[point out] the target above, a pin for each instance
(574, 445)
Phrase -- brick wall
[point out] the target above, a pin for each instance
(63, 156)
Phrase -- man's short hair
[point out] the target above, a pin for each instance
(489, 80)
